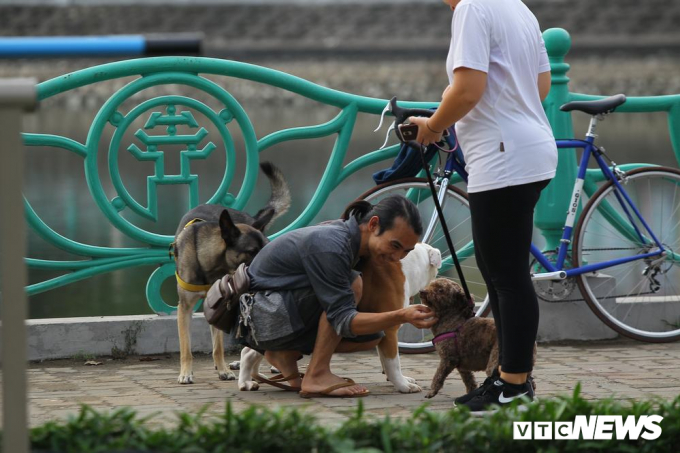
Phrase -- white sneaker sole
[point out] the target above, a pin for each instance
(520, 408)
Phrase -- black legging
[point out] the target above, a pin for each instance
(502, 224)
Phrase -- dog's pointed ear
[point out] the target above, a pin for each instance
(229, 231)
(263, 218)
(435, 257)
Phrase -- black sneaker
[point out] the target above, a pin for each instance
(478, 391)
(499, 394)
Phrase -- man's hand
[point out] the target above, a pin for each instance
(420, 316)
(367, 323)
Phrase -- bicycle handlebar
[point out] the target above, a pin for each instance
(402, 114)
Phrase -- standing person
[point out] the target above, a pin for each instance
(499, 73)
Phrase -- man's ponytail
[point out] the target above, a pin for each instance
(357, 209)
(386, 210)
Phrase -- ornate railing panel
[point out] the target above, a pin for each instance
(163, 116)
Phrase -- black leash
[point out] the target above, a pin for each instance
(449, 242)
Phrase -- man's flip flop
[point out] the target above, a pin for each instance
(326, 393)
(278, 381)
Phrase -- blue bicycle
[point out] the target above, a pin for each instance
(623, 254)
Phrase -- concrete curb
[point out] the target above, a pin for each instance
(58, 338)
(143, 334)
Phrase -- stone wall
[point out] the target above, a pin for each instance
(618, 45)
(331, 25)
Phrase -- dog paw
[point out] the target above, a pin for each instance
(226, 375)
(408, 387)
(235, 365)
(410, 380)
(430, 395)
(186, 378)
(248, 386)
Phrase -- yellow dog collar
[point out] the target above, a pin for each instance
(189, 286)
(182, 283)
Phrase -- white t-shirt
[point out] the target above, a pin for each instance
(506, 138)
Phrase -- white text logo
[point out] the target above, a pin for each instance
(594, 427)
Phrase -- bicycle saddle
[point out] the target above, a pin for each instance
(606, 105)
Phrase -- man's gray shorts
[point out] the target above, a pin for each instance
(303, 339)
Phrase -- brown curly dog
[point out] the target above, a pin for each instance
(471, 343)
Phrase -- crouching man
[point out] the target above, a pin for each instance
(304, 294)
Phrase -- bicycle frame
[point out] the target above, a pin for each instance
(556, 271)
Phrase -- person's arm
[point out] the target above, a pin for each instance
(471, 38)
(330, 281)
(544, 79)
(418, 315)
(467, 89)
(544, 83)
(329, 275)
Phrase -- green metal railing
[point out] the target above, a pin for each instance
(178, 111)
(554, 202)
(171, 111)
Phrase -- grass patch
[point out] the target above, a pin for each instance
(83, 356)
(259, 429)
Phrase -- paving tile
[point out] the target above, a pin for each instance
(623, 369)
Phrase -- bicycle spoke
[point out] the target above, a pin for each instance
(617, 232)
(632, 305)
(670, 217)
(458, 244)
(590, 233)
(645, 292)
(665, 237)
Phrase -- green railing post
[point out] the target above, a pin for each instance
(552, 206)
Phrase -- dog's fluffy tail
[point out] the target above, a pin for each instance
(279, 202)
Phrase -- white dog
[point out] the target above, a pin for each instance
(419, 268)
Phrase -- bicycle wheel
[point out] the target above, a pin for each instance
(639, 299)
(457, 214)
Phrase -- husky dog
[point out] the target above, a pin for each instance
(212, 241)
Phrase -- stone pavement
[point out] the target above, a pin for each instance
(621, 368)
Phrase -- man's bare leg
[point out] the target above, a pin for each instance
(319, 376)
(351, 346)
(286, 362)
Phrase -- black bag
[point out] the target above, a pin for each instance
(221, 304)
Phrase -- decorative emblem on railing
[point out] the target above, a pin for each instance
(154, 153)
(172, 124)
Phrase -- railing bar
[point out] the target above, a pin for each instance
(15, 96)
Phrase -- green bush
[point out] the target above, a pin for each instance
(259, 429)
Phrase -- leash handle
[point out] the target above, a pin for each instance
(440, 214)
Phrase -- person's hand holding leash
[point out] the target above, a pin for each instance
(426, 135)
